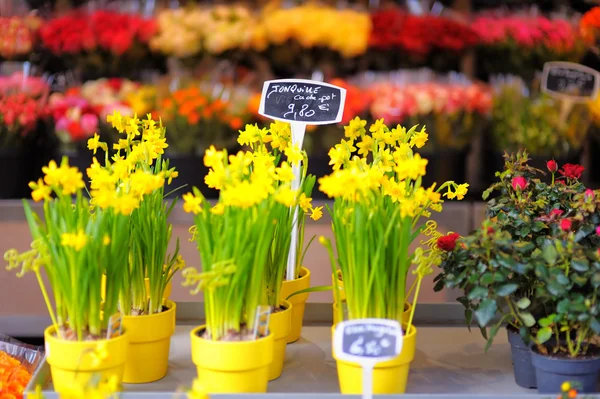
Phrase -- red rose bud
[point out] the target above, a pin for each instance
(448, 242)
(598, 231)
(552, 165)
(490, 230)
(519, 183)
(556, 212)
(566, 224)
(589, 194)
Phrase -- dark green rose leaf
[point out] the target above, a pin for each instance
(550, 255)
(584, 231)
(539, 226)
(524, 246)
(486, 311)
(528, 319)
(562, 279)
(523, 303)
(563, 306)
(547, 321)
(581, 265)
(525, 230)
(595, 325)
(596, 280)
(487, 278)
(478, 293)
(555, 289)
(506, 289)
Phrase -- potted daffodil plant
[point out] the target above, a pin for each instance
(380, 208)
(235, 239)
(274, 143)
(149, 315)
(75, 243)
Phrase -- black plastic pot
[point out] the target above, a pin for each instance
(17, 168)
(552, 371)
(521, 359)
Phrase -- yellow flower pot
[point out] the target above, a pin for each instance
(388, 377)
(298, 301)
(166, 294)
(280, 325)
(232, 367)
(149, 344)
(74, 363)
(405, 315)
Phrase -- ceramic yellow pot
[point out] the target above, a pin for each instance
(232, 367)
(405, 315)
(149, 344)
(166, 294)
(298, 301)
(280, 324)
(74, 363)
(388, 377)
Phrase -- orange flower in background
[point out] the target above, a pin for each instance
(236, 123)
(590, 24)
(193, 118)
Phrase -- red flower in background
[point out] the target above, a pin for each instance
(566, 224)
(19, 113)
(572, 171)
(79, 32)
(448, 242)
(419, 35)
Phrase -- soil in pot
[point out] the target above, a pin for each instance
(553, 370)
(521, 360)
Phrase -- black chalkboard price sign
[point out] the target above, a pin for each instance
(570, 81)
(368, 339)
(302, 101)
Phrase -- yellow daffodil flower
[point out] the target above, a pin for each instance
(191, 203)
(316, 213)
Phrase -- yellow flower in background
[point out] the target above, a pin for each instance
(304, 202)
(450, 194)
(116, 120)
(94, 143)
(74, 240)
(355, 129)
(213, 157)
(40, 191)
(399, 134)
(286, 196)
(284, 173)
(461, 190)
(378, 129)
(316, 213)
(249, 135)
(106, 239)
(419, 139)
(191, 203)
(365, 146)
(218, 209)
(215, 178)
(126, 204)
(121, 145)
(294, 154)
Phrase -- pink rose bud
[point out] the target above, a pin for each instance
(566, 224)
(556, 212)
(552, 165)
(519, 183)
(589, 194)
(598, 231)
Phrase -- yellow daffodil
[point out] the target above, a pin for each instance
(304, 202)
(365, 146)
(192, 204)
(218, 209)
(461, 191)
(116, 120)
(94, 143)
(74, 240)
(284, 173)
(213, 157)
(419, 139)
(40, 191)
(286, 196)
(355, 129)
(294, 154)
(316, 213)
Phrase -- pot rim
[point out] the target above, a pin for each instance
(165, 301)
(195, 331)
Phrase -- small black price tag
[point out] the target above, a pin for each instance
(302, 101)
(368, 340)
(570, 81)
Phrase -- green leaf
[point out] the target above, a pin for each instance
(486, 194)
(486, 311)
(595, 326)
(563, 306)
(524, 231)
(555, 289)
(478, 293)
(487, 278)
(506, 289)
(468, 318)
(580, 265)
(523, 303)
(562, 279)
(547, 321)
(528, 319)
(539, 226)
(550, 255)
(524, 246)
(544, 334)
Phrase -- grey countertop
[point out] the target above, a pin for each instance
(449, 360)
